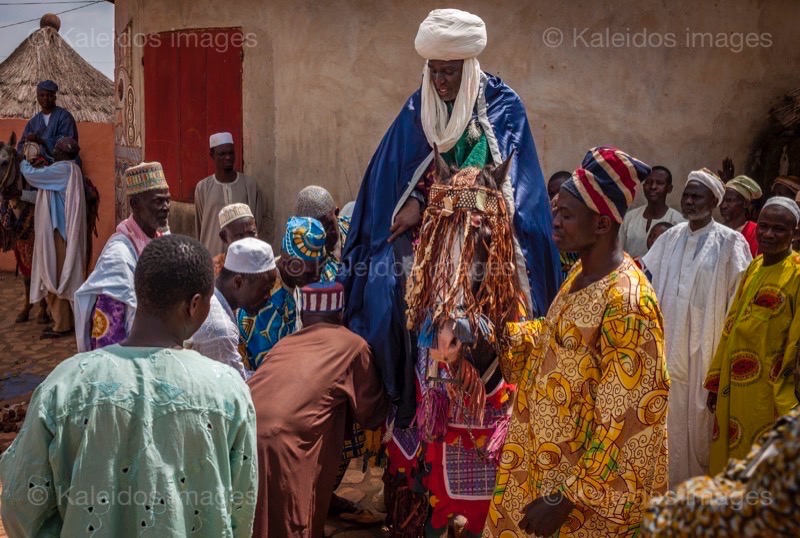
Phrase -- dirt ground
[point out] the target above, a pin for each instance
(25, 361)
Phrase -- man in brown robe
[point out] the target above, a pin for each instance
(302, 392)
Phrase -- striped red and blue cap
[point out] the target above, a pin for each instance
(607, 181)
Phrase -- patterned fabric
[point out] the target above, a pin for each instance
(322, 297)
(20, 225)
(450, 471)
(753, 368)
(261, 332)
(353, 448)
(333, 263)
(109, 325)
(757, 496)
(607, 181)
(695, 274)
(304, 238)
(568, 261)
(134, 442)
(590, 416)
(145, 177)
(23, 254)
(20, 229)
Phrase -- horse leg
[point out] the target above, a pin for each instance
(43, 318)
(25, 313)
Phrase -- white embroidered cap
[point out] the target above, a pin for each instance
(233, 212)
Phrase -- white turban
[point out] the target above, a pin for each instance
(450, 34)
(786, 203)
(707, 178)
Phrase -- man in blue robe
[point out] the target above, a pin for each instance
(474, 119)
(51, 124)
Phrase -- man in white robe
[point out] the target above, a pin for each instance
(695, 268)
(106, 303)
(59, 250)
(224, 187)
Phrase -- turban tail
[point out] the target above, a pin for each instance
(440, 128)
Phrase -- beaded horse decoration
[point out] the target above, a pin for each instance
(464, 282)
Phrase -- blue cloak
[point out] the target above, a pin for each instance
(373, 271)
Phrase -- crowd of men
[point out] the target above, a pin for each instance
(648, 381)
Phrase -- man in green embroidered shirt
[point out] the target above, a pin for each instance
(142, 436)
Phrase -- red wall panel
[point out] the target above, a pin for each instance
(193, 88)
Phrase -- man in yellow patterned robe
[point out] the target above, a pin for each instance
(586, 445)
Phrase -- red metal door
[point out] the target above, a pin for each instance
(192, 89)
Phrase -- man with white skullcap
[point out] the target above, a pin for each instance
(245, 282)
(474, 119)
(751, 379)
(224, 187)
(695, 268)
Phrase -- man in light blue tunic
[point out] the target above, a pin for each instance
(139, 437)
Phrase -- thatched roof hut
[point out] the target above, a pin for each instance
(82, 89)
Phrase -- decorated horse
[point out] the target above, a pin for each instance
(16, 220)
(462, 286)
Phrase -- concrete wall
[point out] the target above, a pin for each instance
(325, 79)
(97, 155)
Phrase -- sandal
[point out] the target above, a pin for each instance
(50, 334)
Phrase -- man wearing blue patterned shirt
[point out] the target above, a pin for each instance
(300, 264)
